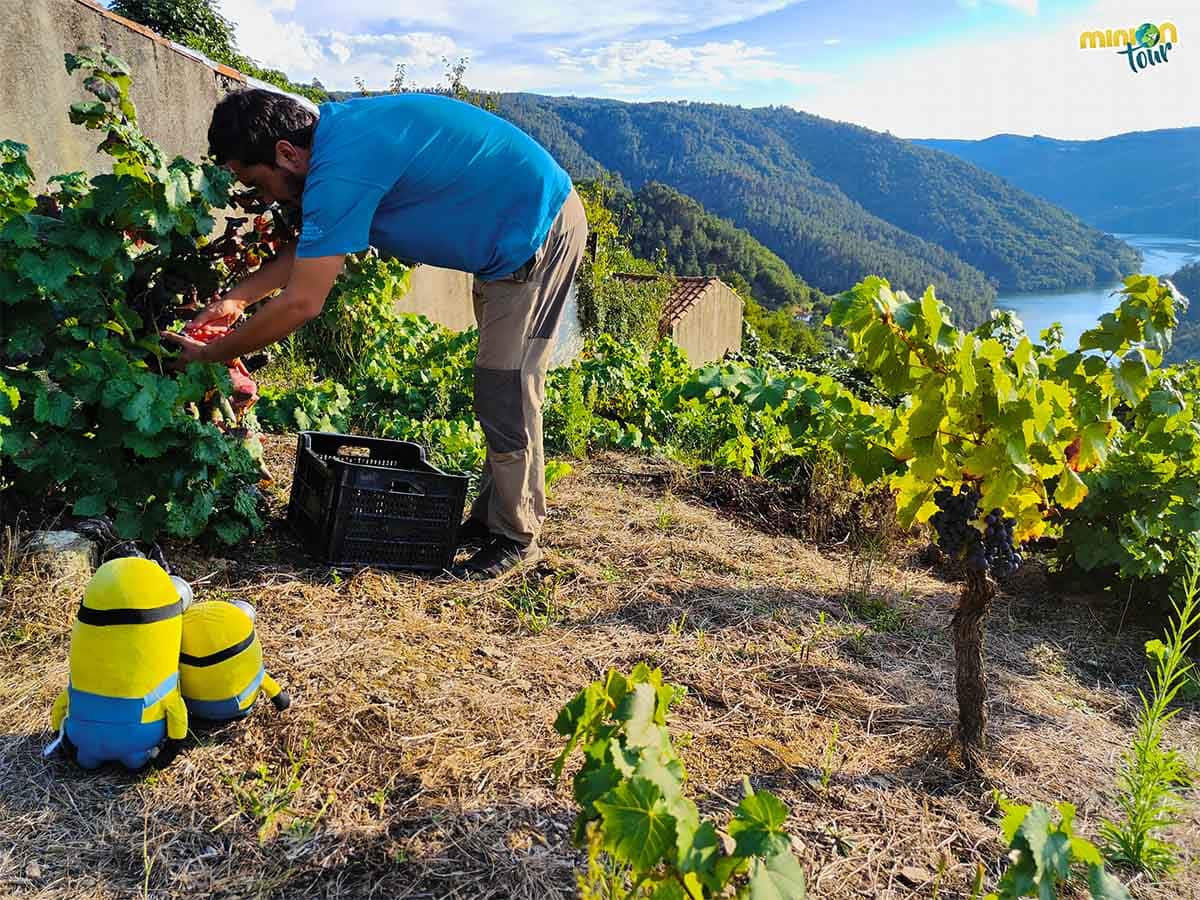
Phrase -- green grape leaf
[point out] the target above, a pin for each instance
(699, 848)
(91, 505)
(778, 877)
(245, 502)
(1105, 886)
(1093, 450)
(637, 828)
(757, 825)
(50, 274)
(53, 407)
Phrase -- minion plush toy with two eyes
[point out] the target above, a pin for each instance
(221, 666)
(122, 702)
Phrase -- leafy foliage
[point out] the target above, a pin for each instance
(624, 308)
(1187, 340)
(198, 24)
(88, 275)
(1044, 854)
(180, 20)
(1142, 507)
(1021, 421)
(780, 330)
(645, 838)
(1152, 774)
(356, 328)
(323, 406)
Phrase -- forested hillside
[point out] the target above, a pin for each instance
(1144, 182)
(833, 201)
(1187, 335)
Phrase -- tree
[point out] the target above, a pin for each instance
(192, 22)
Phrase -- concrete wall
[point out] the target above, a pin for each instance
(445, 296)
(442, 295)
(711, 326)
(174, 93)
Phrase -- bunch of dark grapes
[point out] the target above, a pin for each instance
(952, 521)
(1002, 557)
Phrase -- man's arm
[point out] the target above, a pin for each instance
(302, 299)
(270, 277)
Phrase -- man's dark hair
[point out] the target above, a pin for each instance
(247, 124)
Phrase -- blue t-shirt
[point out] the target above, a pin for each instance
(428, 179)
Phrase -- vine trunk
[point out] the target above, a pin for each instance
(970, 687)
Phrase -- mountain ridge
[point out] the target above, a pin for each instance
(835, 201)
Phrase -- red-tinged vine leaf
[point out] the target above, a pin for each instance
(636, 826)
(1072, 454)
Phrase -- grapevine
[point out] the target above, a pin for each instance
(92, 419)
(1015, 423)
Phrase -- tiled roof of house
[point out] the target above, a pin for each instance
(688, 289)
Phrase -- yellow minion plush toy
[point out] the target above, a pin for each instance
(122, 701)
(221, 667)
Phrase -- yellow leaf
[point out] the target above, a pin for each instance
(1070, 490)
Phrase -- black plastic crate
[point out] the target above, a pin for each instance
(359, 501)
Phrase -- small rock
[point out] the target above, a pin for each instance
(913, 876)
(33, 870)
(61, 554)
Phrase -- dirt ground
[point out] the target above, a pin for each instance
(415, 761)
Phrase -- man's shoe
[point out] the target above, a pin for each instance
(472, 533)
(498, 556)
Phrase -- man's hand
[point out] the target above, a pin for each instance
(220, 313)
(300, 301)
(190, 349)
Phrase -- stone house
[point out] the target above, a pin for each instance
(702, 314)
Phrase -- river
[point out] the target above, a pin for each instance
(1078, 310)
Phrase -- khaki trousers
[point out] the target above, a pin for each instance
(518, 317)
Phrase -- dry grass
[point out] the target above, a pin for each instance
(415, 761)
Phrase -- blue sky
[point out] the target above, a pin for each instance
(918, 68)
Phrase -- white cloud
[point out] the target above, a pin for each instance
(481, 20)
(832, 42)
(644, 66)
(1030, 83)
(629, 68)
(1029, 7)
